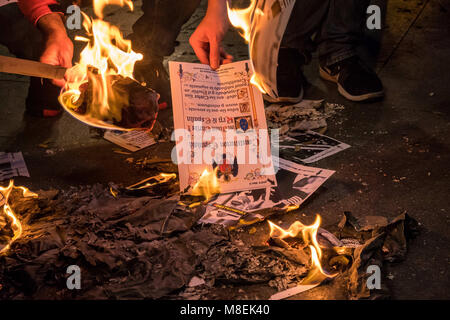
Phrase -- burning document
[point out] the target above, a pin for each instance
(263, 24)
(295, 184)
(220, 127)
(131, 140)
(12, 165)
(310, 146)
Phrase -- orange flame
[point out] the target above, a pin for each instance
(241, 19)
(309, 235)
(5, 192)
(109, 54)
(99, 5)
(207, 185)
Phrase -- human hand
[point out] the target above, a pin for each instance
(206, 39)
(58, 48)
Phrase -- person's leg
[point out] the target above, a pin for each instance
(154, 35)
(25, 41)
(296, 49)
(342, 30)
(306, 19)
(340, 34)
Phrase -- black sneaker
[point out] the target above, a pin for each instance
(290, 78)
(42, 100)
(355, 80)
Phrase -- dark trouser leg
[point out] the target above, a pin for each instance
(25, 41)
(16, 33)
(155, 33)
(337, 25)
(342, 30)
(306, 18)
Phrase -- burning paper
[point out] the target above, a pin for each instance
(100, 88)
(220, 127)
(295, 184)
(131, 140)
(310, 146)
(12, 165)
(263, 24)
(8, 212)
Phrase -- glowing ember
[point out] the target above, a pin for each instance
(96, 92)
(207, 185)
(153, 181)
(309, 236)
(5, 192)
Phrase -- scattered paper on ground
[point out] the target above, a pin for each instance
(305, 115)
(131, 140)
(295, 184)
(12, 165)
(308, 147)
(292, 291)
(224, 101)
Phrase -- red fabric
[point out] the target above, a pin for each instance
(35, 9)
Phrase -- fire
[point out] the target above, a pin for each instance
(99, 5)
(5, 192)
(207, 185)
(153, 181)
(309, 235)
(242, 19)
(106, 55)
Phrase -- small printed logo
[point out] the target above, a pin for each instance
(74, 280)
(374, 20)
(374, 280)
(73, 21)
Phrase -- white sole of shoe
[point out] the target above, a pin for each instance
(291, 100)
(373, 95)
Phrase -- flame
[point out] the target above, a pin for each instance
(309, 235)
(207, 185)
(242, 19)
(99, 5)
(5, 192)
(152, 181)
(106, 54)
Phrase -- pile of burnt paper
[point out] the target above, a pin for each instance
(147, 247)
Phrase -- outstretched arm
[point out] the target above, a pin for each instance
(206, 39)
(58, 49)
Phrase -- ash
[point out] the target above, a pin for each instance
(135, 247)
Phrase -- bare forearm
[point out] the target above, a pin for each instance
(219, 6)
(51, 25)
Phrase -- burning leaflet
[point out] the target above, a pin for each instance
(8, 213)
(100, 89)
(263, 24)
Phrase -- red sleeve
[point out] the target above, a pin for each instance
(35, 9)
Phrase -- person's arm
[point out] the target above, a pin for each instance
(58, 49)
(33, 10)
(206, 39)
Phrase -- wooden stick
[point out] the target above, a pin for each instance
(31, 68)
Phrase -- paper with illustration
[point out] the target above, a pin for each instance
(296, 183)
(131, 140)
(12, 165)
(220, 125)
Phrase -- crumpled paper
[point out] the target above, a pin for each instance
(303, 116)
